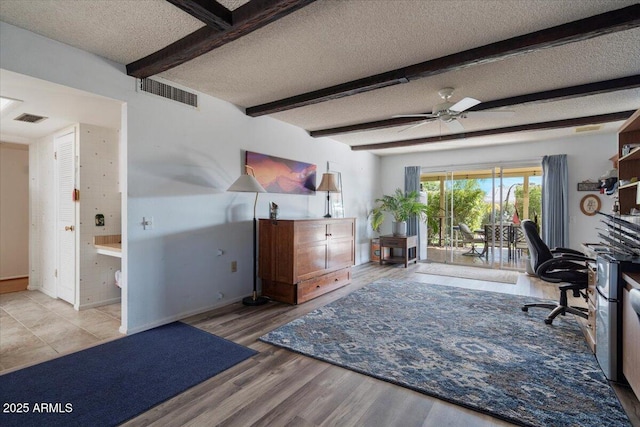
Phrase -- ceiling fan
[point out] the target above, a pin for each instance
(448, 112)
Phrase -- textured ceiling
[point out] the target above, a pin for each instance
(120, 30)
(331, 42)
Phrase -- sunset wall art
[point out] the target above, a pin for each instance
(278, 175)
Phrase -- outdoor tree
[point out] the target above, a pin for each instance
(535, 200)
(468, 202)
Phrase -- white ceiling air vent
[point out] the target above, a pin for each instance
(30, 118)
(166, 91)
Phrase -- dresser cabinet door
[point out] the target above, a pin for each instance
(310, 249)
(340, 251)
(276, 251)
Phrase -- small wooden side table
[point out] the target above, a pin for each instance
(396, 242)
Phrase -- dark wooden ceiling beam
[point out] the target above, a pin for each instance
(594, 26)
(210, 12)
(245, 19)
(556, 124)
(606, 86)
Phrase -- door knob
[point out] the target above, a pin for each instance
(69, 228)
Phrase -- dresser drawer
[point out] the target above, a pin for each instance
(393, 242)
(278, 291)
(398, 242)
(312, 288)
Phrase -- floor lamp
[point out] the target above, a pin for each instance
(328, 184)
(249, 184)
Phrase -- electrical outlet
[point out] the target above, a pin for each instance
(234, 266)
(220, 295)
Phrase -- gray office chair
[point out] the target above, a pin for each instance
(469, 236)
(560, 265)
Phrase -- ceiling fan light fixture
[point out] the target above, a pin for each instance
(446, 93)
(446, 112)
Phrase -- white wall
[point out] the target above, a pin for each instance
(42, 205)
(14, 211)
(587, 158)
(179, 163)
(99, 194)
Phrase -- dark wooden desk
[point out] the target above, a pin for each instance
(396, 242)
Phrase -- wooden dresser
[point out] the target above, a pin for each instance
(302, 259)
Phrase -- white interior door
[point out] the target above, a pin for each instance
(66, 216)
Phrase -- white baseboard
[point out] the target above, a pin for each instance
(43, 290)
(169, 319)
(98, 303)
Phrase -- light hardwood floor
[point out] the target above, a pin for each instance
(275, 387)
(281, 388)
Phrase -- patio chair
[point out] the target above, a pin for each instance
(498, 236)
(469, 236)
(518, 241)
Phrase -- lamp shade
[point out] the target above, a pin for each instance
(247, 184)
(328, 183)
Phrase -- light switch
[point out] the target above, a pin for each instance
(147, 223)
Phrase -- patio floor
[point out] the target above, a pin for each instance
(456, 256)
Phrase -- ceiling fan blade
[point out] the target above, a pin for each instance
(454, 126)
(491, 114)
(415, 126)
(397, 116)
(464, 104)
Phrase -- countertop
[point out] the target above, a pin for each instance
(109, 245)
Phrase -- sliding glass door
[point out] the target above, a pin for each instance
(475, 214)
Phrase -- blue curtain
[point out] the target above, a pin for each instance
(412, 183)
(555, 204)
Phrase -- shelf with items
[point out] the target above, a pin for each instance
(629, 185)
(629, 164)
(633, 155)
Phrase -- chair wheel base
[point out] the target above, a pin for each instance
(548, 321)
(525, 309)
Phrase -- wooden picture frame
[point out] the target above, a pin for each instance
(588, 186)
(590, 204)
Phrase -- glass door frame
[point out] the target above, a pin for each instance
(448, 239)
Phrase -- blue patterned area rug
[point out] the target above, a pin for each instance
(473, 348)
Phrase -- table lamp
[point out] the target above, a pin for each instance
(328, 184)
(247, 183)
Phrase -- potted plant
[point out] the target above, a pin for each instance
(401, 206)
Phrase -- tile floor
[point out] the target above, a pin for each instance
(35, 327)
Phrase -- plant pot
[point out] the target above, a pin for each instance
(399, 228)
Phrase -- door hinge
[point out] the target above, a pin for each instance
(55, 273)
(55, 155)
